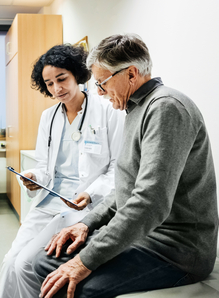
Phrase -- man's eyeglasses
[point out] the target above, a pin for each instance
(99, 85)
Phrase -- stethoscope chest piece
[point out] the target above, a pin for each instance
(76, 136)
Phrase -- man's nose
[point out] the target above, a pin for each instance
(100, 91)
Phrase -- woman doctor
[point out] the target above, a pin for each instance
(77, 146)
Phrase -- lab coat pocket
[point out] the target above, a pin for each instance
(95, 153)
(97, 143)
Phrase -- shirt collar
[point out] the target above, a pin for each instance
(82, 108)
(142, 92)
(79, 113)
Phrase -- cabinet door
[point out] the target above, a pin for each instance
(36, 34)
(12, 152)
(11, 42)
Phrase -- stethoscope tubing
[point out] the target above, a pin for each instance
(84, 113)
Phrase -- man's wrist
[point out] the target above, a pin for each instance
(84, 227)
(77, 259)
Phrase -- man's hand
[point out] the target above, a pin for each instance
(77, 233)
(71, 272)
(30, 185)
(82, 200)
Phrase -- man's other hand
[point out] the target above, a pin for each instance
(77, 233)
(71, 272)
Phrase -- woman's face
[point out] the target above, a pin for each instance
(60, 83)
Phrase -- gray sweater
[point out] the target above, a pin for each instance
(165, 197)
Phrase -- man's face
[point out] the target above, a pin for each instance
(117, 89)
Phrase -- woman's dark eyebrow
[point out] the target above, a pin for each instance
(61, 74)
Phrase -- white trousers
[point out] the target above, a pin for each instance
(17, 279)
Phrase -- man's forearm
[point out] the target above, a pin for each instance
(101, 214)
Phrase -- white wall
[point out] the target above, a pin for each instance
(2, 81)
(182, 36)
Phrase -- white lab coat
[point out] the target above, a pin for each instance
(96, 171)
(96, 175)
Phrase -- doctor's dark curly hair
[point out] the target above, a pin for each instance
(71, 58)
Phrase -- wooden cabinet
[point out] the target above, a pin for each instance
(29, 36)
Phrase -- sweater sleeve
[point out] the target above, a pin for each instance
(167, 138)
(101, 214)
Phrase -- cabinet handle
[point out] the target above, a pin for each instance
(9, 131)
(8, 48)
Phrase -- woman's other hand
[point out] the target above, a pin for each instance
(82, 200)
(30, 185)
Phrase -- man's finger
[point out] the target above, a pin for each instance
(59, 248)
(48, 245)
(59, 244)
(50, 242)
(53, 286)
(56, 287)
(47, 279)
(71, 289)
(74, 246)
(53, 245)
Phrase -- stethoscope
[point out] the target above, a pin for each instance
(75, 135)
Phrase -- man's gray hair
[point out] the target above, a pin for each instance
(121, 51)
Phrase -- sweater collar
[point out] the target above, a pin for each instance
(142, 93)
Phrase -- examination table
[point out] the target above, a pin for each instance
(208, 288)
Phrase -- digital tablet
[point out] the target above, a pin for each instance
(53, 193)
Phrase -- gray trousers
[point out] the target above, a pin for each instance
(136, 269)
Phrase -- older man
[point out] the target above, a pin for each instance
(159, 228)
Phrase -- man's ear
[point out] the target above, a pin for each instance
(133, 74)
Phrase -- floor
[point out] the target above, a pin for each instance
(9, 225)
